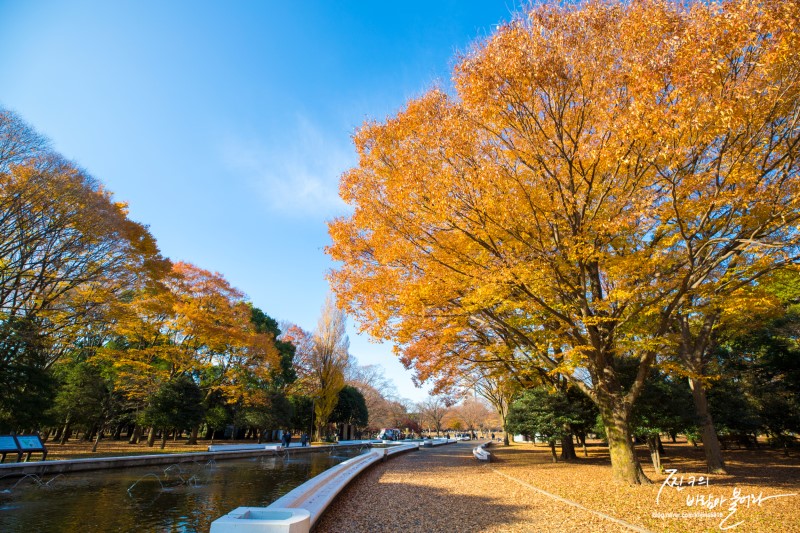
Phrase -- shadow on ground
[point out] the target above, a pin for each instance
(413, 507)
(760, 467)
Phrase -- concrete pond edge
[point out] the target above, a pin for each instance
(298, 510)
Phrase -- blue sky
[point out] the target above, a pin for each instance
(226, 125)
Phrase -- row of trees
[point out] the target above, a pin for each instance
(753, 384)
(100, 333)
(595, 203)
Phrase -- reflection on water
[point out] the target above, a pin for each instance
(177, 498)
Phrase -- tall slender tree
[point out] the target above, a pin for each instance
(323, 358)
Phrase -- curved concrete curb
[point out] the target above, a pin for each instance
(312, 497)
(240, 447)
(437, 442)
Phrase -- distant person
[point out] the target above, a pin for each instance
(304, 439)
(288, 438)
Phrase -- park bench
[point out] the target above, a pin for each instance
(21, 445)
(481, 453)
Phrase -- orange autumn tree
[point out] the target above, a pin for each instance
(587, 182)
(67, 251)
(192, 323)
(728, 156)
(66, 247)
(213, 323)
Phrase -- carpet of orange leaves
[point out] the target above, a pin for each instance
(754, 494)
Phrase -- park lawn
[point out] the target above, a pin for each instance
(588, 482)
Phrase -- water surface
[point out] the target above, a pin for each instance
(174, 498)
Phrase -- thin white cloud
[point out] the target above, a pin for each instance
(297, 174)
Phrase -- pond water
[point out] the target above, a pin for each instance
(175, 498)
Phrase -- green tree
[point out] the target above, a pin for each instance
(87, 399)
(216, 417)
(546, 413)
(351, 408)
(665, 407)
(177, 404)
(759, 384)
(28, 386)
(266, 410)
(302, 412)
(284, 374)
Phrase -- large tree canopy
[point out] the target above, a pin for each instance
(602, 168)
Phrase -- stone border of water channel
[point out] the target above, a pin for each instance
(298, 510)
(65, 466)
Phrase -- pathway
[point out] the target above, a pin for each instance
(445, 489)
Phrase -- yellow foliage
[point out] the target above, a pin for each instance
(602, 168)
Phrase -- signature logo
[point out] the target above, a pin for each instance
(712, 502)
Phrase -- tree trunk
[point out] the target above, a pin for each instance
(66, 433)
(711, 446)
(193, 436)
(57, 436)
(624, 465)
(567, 448)
(136, 434)
(97, 441)
(151, 437)
(164, 435)
(655, 455)
(582, 440)
(553, 450)
(661, 450)
(694, 347)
